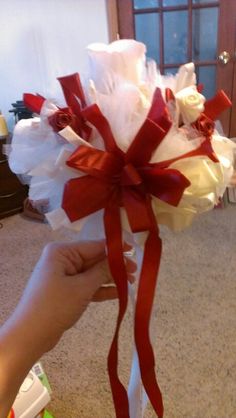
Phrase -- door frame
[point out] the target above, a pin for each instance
(226, 77)
(112, 20)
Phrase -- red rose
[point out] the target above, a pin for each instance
(204, 125)
(61, 118)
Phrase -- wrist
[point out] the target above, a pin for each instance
(18, 353)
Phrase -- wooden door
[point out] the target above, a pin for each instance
(180, 31)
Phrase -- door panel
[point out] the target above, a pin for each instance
(147, 29)
(202, 1)
(207, 76)
(174, 2)
(175, 37)
(204, 27)
(179, 31)
(143, 4)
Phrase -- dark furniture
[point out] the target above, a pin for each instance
(12, 191)
(20, 111)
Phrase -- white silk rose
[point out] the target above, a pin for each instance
(202, 195)
(190, 104)
(122, 84)
(124, 59)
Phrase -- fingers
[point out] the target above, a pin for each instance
(105, 293)
(97, 275)
(86, 253)
(100, 256)
(89, 250)
(86, 256)
(73, 257)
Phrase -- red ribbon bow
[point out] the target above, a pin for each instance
(116, 179)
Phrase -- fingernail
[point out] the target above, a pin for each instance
(131, 253)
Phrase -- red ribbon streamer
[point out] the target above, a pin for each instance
(118, 270)
(146, 291)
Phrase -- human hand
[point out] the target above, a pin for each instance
(66, 278)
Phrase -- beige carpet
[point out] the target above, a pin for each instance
(194, 325)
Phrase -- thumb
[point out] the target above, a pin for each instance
(97, 275)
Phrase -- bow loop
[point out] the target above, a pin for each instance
(167, 185)
(151, 133)
(97, 163)
(94, 115)
(158, 112)
(33, 102)
(85, 195)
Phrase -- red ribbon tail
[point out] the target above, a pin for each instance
(113, 230)
(146, 291)
(204, 149)
(72, 87)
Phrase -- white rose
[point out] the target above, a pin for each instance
(190, 103)
(206, 186)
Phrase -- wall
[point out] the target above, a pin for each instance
(43, 39)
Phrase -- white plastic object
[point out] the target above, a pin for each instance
(31, 399)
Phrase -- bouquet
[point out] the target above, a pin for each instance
(129, 150)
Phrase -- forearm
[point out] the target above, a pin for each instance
(22, 343)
